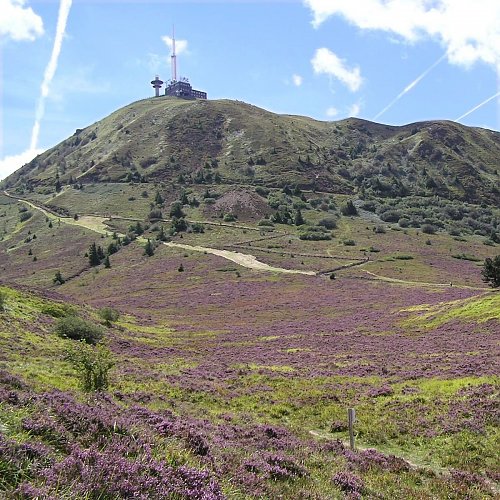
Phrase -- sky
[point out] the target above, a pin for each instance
(65, 64)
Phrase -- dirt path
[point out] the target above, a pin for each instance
(421, 283)
(242, 259)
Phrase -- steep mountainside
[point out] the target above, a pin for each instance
(204, 142)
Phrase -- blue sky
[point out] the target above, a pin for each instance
(395, 62)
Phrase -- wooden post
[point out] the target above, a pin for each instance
(351, 414)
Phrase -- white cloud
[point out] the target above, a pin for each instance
(297, 80)
(19, 22)
(50, 69)
(469, 30)
(180, 45)
(354, 109)
(332, 112)
(328, 63)
(10, 164)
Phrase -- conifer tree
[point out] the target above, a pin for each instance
(94, 259)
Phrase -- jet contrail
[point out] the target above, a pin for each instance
(486, 101)
(409, 87)
(50, 70)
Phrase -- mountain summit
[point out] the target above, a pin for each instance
(168, 139)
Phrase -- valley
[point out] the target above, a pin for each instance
(268, 273)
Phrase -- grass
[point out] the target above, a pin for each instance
(476, 309)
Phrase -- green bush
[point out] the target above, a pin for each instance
(429, 229)
(328, 223)
(92, 363)
(491, 271)
(75, 328)
(24, 216)
(349, 243)
(109, 315)
(349, 209)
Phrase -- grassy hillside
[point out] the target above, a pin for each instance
(172, 140)
(269, 272)
(214, 408)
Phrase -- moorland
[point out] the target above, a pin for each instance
(241, 279)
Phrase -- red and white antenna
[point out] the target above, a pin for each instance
(173, 57)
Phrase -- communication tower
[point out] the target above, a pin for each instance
(157, 83)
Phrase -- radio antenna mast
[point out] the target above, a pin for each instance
(173, 57)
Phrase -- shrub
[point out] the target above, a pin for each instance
(429, 229)
(404, 222)
(328, 223)
(155, 214)
(109, 315)
(75, 328)
(229, 218)
(176, 210)
(24, 216)
(349, 209)
(379, 230)
(92, 364)
(349, 243)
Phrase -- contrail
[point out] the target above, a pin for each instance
(486, 101)
(50, 70)
(409, 87)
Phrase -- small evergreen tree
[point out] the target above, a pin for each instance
(158, 198)
(94, 259)
(107, 263)
(491, 271)
(299, 219)
(176, 210)
(58, 278)
(149, 249)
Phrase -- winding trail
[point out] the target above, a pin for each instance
(98, 224)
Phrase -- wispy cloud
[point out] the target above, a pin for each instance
(409, 87)
(480, 105)
(297, 80)
(50, 70)
(468, 30)
(328, 63)
(19, 22)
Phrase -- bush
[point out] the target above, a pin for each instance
(349, 243)
(24, 216)
(92, 364)
(349, 209)
(75, 328)
(429, 229)
(3, 300)
(328, 223)
(109, 315)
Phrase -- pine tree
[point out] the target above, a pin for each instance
(107, 264)
(158, 198)
(299, 219)
(58, 278)
(491, 271)
(94, 259)
(100, 253)
(149, 249)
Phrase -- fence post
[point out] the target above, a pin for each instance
(351, 414)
